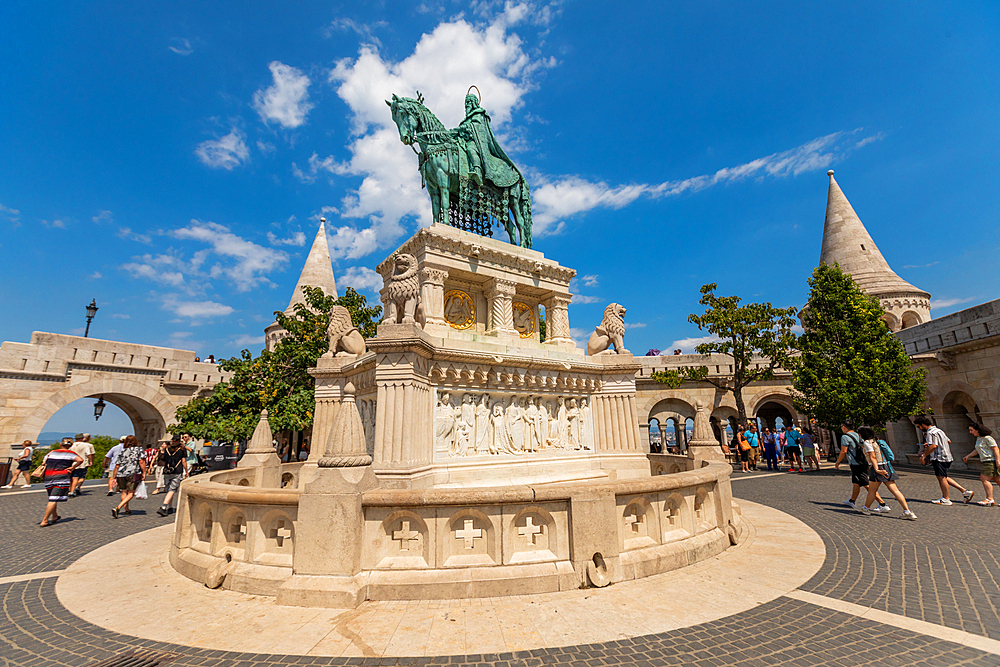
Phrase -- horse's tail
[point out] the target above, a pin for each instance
(525, 206)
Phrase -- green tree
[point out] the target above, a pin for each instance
(101, 443)
(747, 334)
(277, 380)
(851, 366)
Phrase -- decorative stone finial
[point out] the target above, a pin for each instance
(346, 445)
(830, 173)
(262, 440)
(322, 221)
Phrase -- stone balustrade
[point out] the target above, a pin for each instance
(440, 543)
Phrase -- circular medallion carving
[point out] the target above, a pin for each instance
(524, 319)
(459, 309)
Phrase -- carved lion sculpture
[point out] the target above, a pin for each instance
(403, 291)
(345, 339)
(610, 333)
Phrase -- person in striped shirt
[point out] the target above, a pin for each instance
(57, 472)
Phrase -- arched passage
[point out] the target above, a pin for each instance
(910, 319)
(148, 410)
(959, 409)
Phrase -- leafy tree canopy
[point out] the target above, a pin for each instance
(745, 333)
(851, 366)
(277, 380)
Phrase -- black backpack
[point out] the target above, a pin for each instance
(855, 449)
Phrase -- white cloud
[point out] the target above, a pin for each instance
(920, 266)
(251, 262)
(195, 309)
(102, 217)
(687, 345)
(159, 268)
(181, 46)
(579, 299)
(635, 325)
(96, 275)
(948, 303)
(224, 153)
(121, 316)
(361, 278)
(556, 199)
(580, 336)
(590, 281)
(128, 234)
(296, 239)
(442, 66)
(12, 215)
(286, 101)
(266, 147)
(247, 340)
(54, 224)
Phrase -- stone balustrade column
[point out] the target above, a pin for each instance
(432, 294)
(500, 295)
(557, 320)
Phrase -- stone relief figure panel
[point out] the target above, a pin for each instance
(485, 423)
(459, 309)
(366, 408)
(524, 319)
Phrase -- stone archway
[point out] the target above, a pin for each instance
(149, 411)
(909, 319)
(958, 410)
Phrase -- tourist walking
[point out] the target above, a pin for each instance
(851, 448)
(792, 440)
(809, 454)
(779, 443)
(743, 448)
(110, 459)
(56, 471)
(153, 456)
(23, 466)
(770, 449)
(880, 472)
(754, 440)
(175, 468)
(937, 450)
(989, 455)
(86, 451)
(130, 471)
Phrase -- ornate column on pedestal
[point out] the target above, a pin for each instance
(500, 294)
(557, 320)
(703, 445)
(432, 294)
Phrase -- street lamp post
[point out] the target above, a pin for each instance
(99, 408)
(91, 311)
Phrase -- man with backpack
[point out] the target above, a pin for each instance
(851, 448)
(937, 449)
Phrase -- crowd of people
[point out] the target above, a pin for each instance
(127, 466)
(870, 460)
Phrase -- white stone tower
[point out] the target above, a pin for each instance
(846, 242)
(317, 272)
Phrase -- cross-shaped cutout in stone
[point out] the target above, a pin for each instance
(280, 532)
(405, 535)
(674, 515)
(238, 529)
(635, 519)
(529, 529)
(469, 534)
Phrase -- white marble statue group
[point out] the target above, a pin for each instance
(481, 425)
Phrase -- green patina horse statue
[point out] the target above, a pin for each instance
(466, 164)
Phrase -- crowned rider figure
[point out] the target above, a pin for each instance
(481, 145)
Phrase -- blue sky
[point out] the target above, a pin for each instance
(171, 161)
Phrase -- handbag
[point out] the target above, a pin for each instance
(140, 491)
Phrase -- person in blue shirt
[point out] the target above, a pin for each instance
(754, 440)
(770, 449)
(792, 448)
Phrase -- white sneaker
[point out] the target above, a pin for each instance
(967, 495)
(6, 487)
(909, 516)
(865, 510)
(851, 504)
(26, 486)
(942, 501)
(882, 509)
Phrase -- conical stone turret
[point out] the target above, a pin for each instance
(846, 242)
(317, 272)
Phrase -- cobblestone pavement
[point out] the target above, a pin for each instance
(938, 569)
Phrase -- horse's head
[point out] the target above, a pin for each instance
(403, 114)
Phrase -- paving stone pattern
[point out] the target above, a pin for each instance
(869, 558)
(943, 568)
